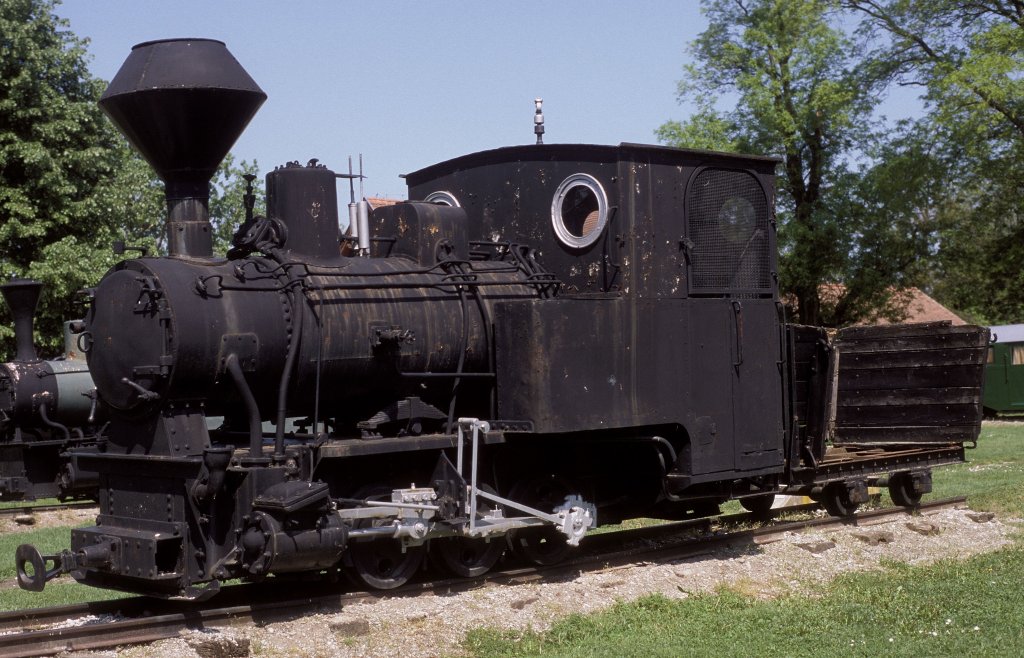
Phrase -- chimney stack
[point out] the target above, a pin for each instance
(182, 103)
(22, 295)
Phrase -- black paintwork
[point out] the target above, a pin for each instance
(646, 325)
(640, 358)
(182, 103)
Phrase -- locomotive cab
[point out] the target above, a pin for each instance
(668, 319)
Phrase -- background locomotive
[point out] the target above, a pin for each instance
(556, 336)
(48, 411)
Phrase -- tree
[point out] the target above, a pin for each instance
(966, 55)
(65, 173)
(892, 210)
(705, 129)
(804, 93)
(968, 58)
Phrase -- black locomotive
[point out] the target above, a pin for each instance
(48, 411)
(554, 336)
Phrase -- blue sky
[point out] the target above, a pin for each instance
(408, 84)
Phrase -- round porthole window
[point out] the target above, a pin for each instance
(579, 211)
(443, 198)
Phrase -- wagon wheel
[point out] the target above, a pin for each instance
(381, 563)
(540, 545)
(901, 489)
(468, 557)
(758, 505)
(836, 499)
(65, 481)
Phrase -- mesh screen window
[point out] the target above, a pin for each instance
(728, 228)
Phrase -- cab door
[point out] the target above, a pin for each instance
(730, 243)
(757, 385)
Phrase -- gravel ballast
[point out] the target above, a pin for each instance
(434, 625)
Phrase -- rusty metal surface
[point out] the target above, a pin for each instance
(910, 384)
(870, 464)
(305, 200)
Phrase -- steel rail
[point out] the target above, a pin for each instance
(139, 620)
(32, 509)
(703, 544)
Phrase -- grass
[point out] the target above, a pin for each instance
(60, 592)
(47, 540)
(967, 608)
(951, 608)
(993, 478)
(28, 503)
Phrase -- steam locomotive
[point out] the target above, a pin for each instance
(48, 411)
(547, 338)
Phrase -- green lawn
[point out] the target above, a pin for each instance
(993, 478)
(60, 592)
(47, 540)
(28, 503)
(970, 608)
(973, 608)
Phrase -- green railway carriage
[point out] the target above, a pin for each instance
(1004, 371)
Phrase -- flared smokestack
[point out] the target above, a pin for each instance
(21, 296)
(182, 103)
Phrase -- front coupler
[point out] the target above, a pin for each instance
(31, 565)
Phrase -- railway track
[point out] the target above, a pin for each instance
(32, 509)
(139, 620)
